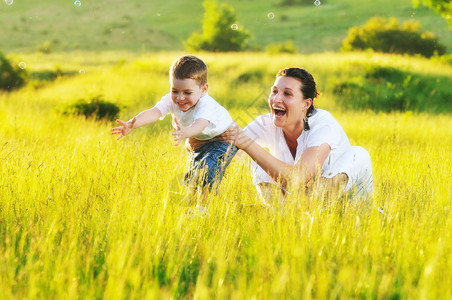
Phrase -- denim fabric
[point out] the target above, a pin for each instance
(208, 164)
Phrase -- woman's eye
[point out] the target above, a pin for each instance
(287, 94)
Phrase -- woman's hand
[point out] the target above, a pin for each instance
(232, 135)
(236, 136)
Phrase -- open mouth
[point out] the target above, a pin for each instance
(279, 112)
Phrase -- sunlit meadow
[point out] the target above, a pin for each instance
(85, 216)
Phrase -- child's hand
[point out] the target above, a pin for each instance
(125, 129)
(180, 133)
(178, 137)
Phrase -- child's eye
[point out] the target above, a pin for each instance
(187, 93)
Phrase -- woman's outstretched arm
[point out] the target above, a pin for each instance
(306, 167)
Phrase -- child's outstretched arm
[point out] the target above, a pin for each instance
(194, 129)
(143, 118)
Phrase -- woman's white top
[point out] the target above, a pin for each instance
(323, 129)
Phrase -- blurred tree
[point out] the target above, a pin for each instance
(10, 77)
(389, 36)
(442, 7)
(220, 30)
(96, 108)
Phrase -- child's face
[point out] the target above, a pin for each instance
(185, 93)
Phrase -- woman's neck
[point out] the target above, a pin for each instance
(292, 133)
(291, 137)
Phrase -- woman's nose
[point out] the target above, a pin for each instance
(277, 98)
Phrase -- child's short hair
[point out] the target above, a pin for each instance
(189, 67)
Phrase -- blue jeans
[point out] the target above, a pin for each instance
(208, 164)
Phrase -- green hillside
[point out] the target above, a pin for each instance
(55, 25)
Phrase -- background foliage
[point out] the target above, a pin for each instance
(220, 30)
(389, 89)
(141, 26)
(387, 35)
(96, 108)
(11, 77)
(442, 7)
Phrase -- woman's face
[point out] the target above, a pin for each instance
(287, 103)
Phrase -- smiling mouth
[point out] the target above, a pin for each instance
(279, 112)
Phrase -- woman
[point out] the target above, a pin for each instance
(304, 142)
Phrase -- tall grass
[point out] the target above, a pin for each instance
(85, 216)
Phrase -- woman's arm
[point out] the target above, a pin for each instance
(313, 159)
(304, 169)
(228, 136)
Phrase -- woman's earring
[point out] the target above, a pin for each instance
(305, 124)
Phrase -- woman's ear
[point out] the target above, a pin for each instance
(308, 102)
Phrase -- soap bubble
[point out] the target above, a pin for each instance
(82, 71)
(271, 15)
(9, 2)
(317, 2)
(22, 65)
(234, 26)
(77, 3)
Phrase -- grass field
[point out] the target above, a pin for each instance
(142, 26)
(85, 216)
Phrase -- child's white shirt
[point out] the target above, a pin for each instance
(206, 108)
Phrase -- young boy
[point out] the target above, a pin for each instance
(195, 114)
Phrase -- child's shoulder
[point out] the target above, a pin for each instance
(209, 100)
(207, 97)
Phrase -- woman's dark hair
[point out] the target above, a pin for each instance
(308, 87)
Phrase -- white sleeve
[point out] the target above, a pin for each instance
(259, 130)
(332, 134)
(210, 110)
(165, 105)
(218, 117)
